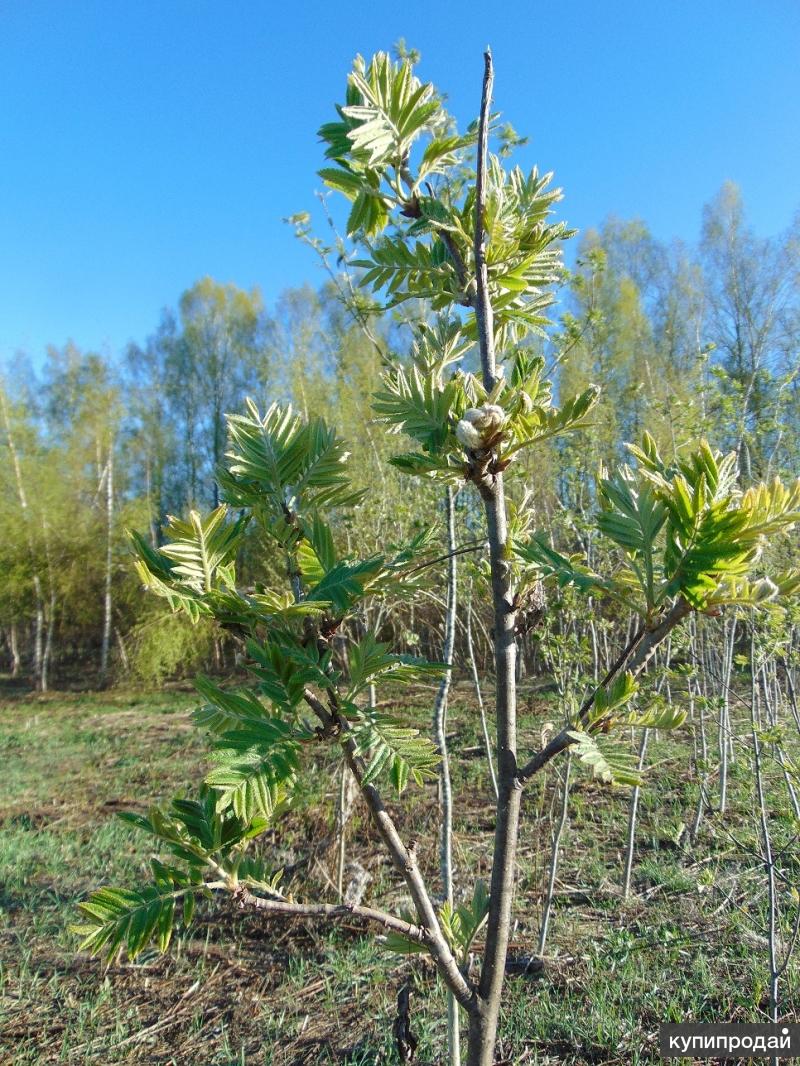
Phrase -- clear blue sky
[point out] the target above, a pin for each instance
(144, 144)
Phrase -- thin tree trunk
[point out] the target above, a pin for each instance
(348, 788)
(477, 683)
(106, 644)
(13, 644)
(697, 699)
(123, 651)
(51, 613)
(702, 775)
(483, 1020)
(38, 636)
(632, 812)
(344, 808)
(48, 644)
(37, 582)
(554, 855)
(149, 495)
(440, 737)
(725, 714)
(772, 700)
(767, 856)
(636, 792)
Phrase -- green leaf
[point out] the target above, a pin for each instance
(226, 710)
(550, 563)
(198, 559)
(411, 270)
(281, 467)
(255, 767)
(658, 716)
(401, 945)
(414, 403)
(384, 742)
(607, 761)
(117, 918)
(194, 830)
(615, 695)
(419, 465)
(471, 917)
(346, 583)
(199, 547)
(285, 667)
(316, 553)
(543, 422)
(393, 109)
(368, 660)
(342, 180)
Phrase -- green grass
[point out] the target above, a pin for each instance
(688, 944)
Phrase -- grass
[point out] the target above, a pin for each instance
(688, 944)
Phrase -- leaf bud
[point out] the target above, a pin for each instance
(480, 425)
(764, 590)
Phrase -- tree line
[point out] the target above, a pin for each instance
(696, 341)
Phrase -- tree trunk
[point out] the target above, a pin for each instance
(477, 683)
(106, 644)
(48, 644)
(726, 662)
(37, 583)
(483, 1020)
(510, 791)
(440, 737)
(38, 636)
(554, 854)
(633, 810)
(13, 644)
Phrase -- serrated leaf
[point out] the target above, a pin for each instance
(384, 742)
(607, 761)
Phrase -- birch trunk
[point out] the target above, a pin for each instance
(13, 644)
(26, 516)
(107, 601)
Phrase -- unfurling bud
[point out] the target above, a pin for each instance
(764, 590)
(526, 403)
(480, 425)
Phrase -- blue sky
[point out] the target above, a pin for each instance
(144, 144)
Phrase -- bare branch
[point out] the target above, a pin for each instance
(332, 911)
(473, 547)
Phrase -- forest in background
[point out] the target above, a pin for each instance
(699, 341)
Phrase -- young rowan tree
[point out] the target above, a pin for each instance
(683, 538)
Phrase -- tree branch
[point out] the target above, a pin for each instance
(246, 898)
(404, 858)
(473, 547)
(634, 658)
(412, 210)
